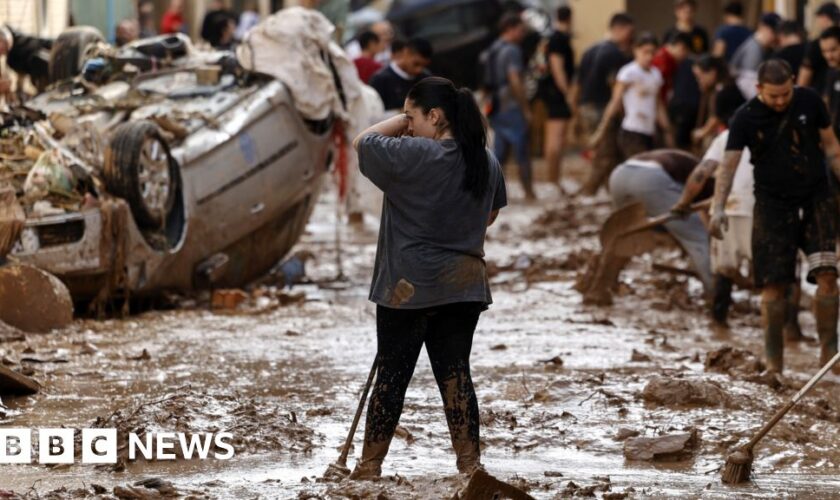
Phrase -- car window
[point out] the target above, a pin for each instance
(451, 21)
(446, 22)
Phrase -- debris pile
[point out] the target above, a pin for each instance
(675, 391)
(667, 447)
(256, 427)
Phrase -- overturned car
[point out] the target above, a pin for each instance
(183, 171)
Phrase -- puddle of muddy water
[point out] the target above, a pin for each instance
(544, 423)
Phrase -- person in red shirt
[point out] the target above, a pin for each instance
(669, 57)
(366, 63)
(173, 18)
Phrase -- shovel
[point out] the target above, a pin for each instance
(483, 486)
(617, 234)
(623, 235)
(339, 468)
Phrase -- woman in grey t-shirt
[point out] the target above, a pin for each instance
(442, 189)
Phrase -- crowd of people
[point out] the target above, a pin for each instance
(747, 120)
(221, 28)
(749, 115)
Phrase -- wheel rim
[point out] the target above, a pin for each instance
(153, 179)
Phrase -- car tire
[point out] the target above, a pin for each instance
(69, 49)
(139, 168)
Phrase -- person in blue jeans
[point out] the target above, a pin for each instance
(510, 114)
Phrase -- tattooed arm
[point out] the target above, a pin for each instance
(831, 147)
(723, 186)
(694, 185)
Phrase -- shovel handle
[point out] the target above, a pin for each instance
(342, 459)
(795, 399)
(662, 219)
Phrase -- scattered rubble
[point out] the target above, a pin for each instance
(675, 391)
(667, 447)
(12, 382)
(733, 361)
(258, 427)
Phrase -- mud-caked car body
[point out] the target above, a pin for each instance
(202, 184)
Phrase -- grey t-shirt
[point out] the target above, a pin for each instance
(749, 56)
(431, 237)
(505, 57)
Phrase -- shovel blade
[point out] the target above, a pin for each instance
(33, 300)
(483, 486)
(620, 221)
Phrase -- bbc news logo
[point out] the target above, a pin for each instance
(99, 446)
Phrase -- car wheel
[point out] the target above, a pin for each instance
(139, 167)
(67, 56)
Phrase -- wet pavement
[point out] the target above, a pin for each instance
(562, 387)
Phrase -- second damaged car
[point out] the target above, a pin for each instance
(165, 168)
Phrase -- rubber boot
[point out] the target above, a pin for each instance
(792, 330)
(825, 310)
(773, 318)
(463, 427)
(722, 299)
(370, 465)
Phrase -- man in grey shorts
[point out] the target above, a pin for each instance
(656, 179)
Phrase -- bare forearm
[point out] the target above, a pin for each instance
(831, 147)
(833, 158)
(724, 180)
(612, 110)
(697, 181)
(517, 88)
(558, 73)
(574, 95)
(390, 127)
(662, 117)
(493, 215)
(805, 76)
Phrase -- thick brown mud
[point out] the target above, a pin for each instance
(562, 387)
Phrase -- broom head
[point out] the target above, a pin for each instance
(738, 467)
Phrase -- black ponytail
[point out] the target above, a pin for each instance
(466, 123)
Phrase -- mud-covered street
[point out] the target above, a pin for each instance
(640, 399)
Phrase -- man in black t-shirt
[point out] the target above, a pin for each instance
(792, 46)
(560, 59)
(594, 82)
(685, 12)
(830, 46)
(789, 134)
(814, 66)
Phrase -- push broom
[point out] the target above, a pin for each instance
(738, 466)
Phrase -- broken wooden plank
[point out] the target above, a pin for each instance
(12, 382)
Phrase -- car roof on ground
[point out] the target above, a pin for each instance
(402, 9)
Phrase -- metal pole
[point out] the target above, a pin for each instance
(110, 22)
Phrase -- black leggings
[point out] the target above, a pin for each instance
(447, 332)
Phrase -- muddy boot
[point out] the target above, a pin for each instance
(825, 310)
(792, 331)
(369, 467)
(722, 299)
(773, 319)
(461, 409)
